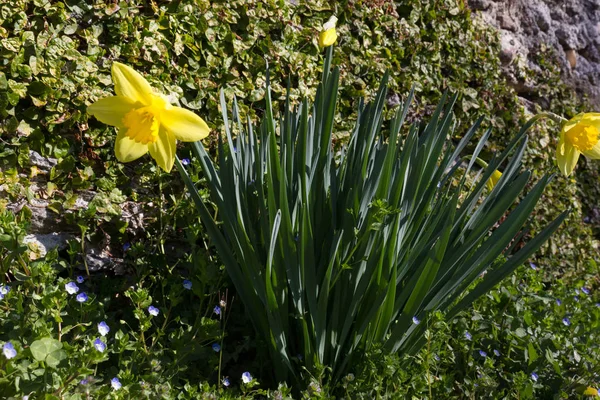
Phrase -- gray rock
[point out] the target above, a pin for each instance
(571, 28)
(40, 244)
(542, 17)
(43, 163)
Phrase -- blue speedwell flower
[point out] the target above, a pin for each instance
(482, 353)
(585, 290)
(115, 383)
(566, 321)
(126, 246)
(534, 376)
(103, 328)
(81, 297)
(246, 377)
(71, 288)
(4, 290)
(558, 302)
(468, 336)
(416, 321)
(153, 311)
(226, 381)
(9, 350)
(533, 266)
(217, 310)
(185, 161)
(99, 345)
(187, 284)
(80, 279)
(496, 353)
(216, 347)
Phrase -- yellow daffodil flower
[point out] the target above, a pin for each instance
(578, 135)
(145, 120)
(590, 391)
(496, 175)
(328, 34)
(493, 179)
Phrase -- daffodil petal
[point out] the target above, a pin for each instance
(111, 110)
(128, 150)
(163, 150)
(566, 157)
(129, 83)
(327, 38)
(184, 124)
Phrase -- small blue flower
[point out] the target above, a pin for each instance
(83, 382)
(496, 353)
(482, 353)
(80, 279)
(99, 345)
(558, 302)
(226, 381)
(416, 321)
(586, 220)
(81, 297)
(597, 304)
(185, 161)
(103, 328)
(246, 377)
(4, 290)
(9, 350)
(468, 336)
(436, 357)
(216, 347)
(576, 298)
(187, 284)
(585, 290)
(126, 246)
(566, 321)
(115, 383)
(217, 310)
(71, 288)
(534, 376)
(153, 311)
(533, 266)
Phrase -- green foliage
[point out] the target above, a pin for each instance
(55, 59)
(332, 255)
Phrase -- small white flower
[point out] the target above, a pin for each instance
(246, 377)
(71, 288)
(115, 383)
(103, 328)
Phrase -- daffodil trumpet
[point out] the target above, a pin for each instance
(145, 120)
(579, 135)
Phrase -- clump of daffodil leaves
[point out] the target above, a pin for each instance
(145, 120)
(578, 136)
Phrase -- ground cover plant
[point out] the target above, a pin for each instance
(56, 59)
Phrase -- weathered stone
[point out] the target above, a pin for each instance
(43, 163)
(542, 17)
(40, 244)
(571, 28)
(480, 4)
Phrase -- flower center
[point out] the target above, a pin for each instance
(142, 123)
(582, 137)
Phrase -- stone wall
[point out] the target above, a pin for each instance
(570, 27)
